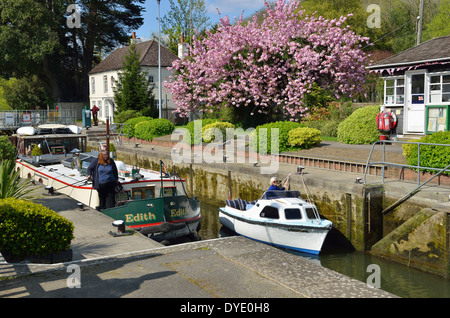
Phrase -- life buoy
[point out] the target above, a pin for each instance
(393, 120)
(386, 121)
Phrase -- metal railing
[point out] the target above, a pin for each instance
(384, 164)
(12, 119)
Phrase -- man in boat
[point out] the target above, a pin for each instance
(105, 176)
(274, 184)
(95, 110)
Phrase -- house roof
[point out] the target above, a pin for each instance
(434, 50)
(148, 57)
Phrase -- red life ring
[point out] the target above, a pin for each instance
(393, 121)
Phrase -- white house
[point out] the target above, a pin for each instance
(102, 78)
(417, 87)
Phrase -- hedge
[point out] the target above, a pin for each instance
(28, 228)
(192, 138)
(132, 123)
(360, 127)
(265, 132)
(430, 156)
(150, 129)
(126, 114)
(304, 137)
(210, 131)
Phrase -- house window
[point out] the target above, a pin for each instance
(100, 112)
(394, 91)
(105, 84)
(113, 80)
(92, 85)
(439, 89)
(151, 79)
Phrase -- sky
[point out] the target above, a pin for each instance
(232, 8)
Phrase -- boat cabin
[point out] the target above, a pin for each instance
(58, 140)
(286, 205)
(417, 87)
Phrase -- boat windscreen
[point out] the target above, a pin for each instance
(276, 194)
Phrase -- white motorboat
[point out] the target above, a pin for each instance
(280, 218)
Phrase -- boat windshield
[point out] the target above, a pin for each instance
(276, 194)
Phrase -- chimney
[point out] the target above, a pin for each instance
(133, 38)
(182, 48)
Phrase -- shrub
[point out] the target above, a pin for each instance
(7, 149)
(132, 123)
(28, 228)
(126, 114)
(210, 131)
(192, 138)
(36, 151)
(430, 156)
(327, 127)
(266, 145)
(11, 185)
(148, 130)
(360, 127)
(304, 137)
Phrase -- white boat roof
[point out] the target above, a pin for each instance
(52, 126)
(66, 173)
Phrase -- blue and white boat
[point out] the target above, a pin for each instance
(280, 218)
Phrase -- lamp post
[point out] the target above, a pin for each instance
(159, 61)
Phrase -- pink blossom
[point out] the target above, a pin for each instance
(277, 62)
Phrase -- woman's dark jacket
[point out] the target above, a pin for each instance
(92, 170)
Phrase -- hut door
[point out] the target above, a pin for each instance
(415, 101)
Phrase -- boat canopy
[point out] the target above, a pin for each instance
(276, 194)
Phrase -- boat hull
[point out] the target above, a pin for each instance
(303, 238)
(163, 218)
(80, 191)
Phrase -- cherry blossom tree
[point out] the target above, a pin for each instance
(270, 65)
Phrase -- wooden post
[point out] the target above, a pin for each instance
(192, 179)
(107, 135)
(229, 185)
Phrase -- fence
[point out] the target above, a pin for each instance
(13, 119)
(384, 163)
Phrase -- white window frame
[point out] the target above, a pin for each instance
(395, 87)
(92, 85)
(100, 106)
(105, 84)
(441, 91)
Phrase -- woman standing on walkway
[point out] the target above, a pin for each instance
(104, 175)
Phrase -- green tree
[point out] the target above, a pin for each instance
(35, 39)
(439, 25)
(133, 86)
(25, 93)
(184, 19)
